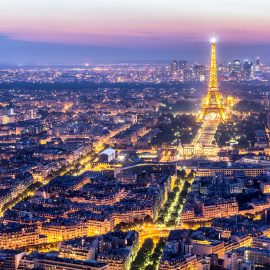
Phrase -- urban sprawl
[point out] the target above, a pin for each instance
(135, 166)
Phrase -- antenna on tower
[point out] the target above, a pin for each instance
(213, 39)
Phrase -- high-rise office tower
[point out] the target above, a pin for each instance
(182, 64)
(174, 66)
(258, 72)
(200, 72)
(235, 69)
(247, 70)
(183, 70)
(174, 70)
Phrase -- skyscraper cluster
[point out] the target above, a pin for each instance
(181, 71)
(245, 70)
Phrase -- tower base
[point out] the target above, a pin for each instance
(212, 114)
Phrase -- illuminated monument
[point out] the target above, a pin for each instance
(212, 105)
(215, 109)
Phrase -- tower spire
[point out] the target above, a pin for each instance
(213, 82)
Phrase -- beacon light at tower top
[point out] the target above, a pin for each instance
(213, 39)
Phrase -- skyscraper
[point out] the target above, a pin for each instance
(258, 69)
(235, 69)
(247, 70)
(182, 64)
(200, 72)
(174, 69)
(174, 66)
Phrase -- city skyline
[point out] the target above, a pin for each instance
(73, 32)
(134, 135)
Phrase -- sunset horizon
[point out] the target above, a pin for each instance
(115, 31)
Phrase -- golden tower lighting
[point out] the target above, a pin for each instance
(212, 103)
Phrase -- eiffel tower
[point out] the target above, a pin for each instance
(212, 103)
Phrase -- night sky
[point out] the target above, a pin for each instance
(106, 31)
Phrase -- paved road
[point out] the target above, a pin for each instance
(206, 134)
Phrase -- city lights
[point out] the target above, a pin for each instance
(122, 147)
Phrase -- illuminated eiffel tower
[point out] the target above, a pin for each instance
(212, 104)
